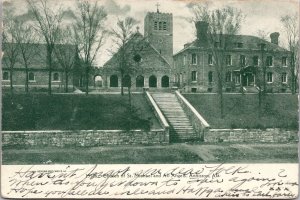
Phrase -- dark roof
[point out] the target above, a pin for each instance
(37, 52)
(249, 43)
(135, 39)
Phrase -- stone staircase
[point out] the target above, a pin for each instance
(181, 128)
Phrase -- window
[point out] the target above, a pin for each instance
(210, 77)
(184, 59)
(194, 76)
(155, 25)
(31, 76)
(239, 45)
(217, 44)
(228, 60)
(164, 26)
(269, 77)
(269, 61)
(5, 76)
(242, 60)
(255, 60)
(228, 76)
(237, 79)
(283, 77)
(159, 25)
(55, 76)
(210, 59)
(194, 59)
(284, 61)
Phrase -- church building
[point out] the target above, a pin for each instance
(149, 57)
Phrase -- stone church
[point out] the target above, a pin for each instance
(150, 56)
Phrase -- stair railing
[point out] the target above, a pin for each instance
(161, 118)
(199, 123)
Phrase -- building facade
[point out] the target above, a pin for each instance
(37, 73)
(245, 60)
(149, 57)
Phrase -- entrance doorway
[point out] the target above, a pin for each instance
(152, 81)
(165, 81)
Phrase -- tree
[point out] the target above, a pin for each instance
(10, 48)
(222, 23)
(121, 35)
(66, 52)
(25, 37)
(89, 34)
(291, 27)
(48, 23)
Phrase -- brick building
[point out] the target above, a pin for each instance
(245, 59)
(38, 73)
(150, 56)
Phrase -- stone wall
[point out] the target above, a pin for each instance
(199, 123)
(250, 135)
(82, 138)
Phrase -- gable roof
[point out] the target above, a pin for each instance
(249, 43)
(37, 53)
(136, 38)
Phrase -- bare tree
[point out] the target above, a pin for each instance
(121, 35)
(9, 42)
(222, 23)
(48, 22)
(25, 39)
(89, 34)
(263, 34)
(66, 52)
(291, 27)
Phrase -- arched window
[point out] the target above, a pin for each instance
(31, 76)
(152, 81)
(160, 26)
(127, 81)
(165, 81)
(98, 81)
(113, 81)
(164, 26)
(210, 76)
(55, 76)
(139, 81)
(5, 76)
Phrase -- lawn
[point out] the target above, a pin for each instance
(174, 153)
(241, 111)
(69, 112)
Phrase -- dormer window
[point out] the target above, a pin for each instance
(239, 45)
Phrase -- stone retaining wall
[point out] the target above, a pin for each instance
(198, 122)
(250, 135)
(83, 138)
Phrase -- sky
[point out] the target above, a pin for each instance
(261, 15)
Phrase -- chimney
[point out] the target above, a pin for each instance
(202, 28)
(274, 37)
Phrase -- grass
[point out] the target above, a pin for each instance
(163, 154)
(242, 111)
(69, 112)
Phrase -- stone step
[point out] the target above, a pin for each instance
(181, 127)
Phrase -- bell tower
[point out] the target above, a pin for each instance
(159, 32)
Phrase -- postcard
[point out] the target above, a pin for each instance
(173, 99)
